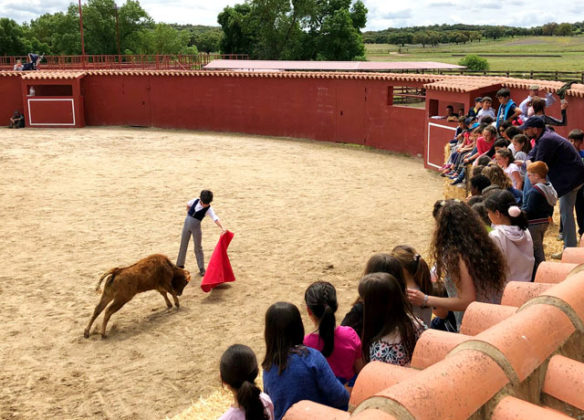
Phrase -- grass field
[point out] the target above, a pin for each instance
(570, 49)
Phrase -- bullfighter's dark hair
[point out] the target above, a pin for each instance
(206, 196)
(239, 369)
(284, 334)
(321, 300)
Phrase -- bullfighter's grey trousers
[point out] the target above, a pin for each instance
(192, 227)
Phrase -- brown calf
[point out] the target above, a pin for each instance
(155, 272)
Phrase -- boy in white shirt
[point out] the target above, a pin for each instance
(197, 208)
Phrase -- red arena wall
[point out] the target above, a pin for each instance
(11, 94)
(341, 107)
(351, 111)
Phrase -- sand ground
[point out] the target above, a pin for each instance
(75, 203)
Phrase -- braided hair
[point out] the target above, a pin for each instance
(321, 299)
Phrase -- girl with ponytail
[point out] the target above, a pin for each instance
(292, 371)
(239, 369)
(510, 234)
(417, 277)
(340, 345)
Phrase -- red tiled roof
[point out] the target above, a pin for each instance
(464, 84)
(278, 65)
(52, 74)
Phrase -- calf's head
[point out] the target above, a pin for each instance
(180, 280)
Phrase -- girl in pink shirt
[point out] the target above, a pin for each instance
(340, 345)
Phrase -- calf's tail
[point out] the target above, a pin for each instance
(111, 274)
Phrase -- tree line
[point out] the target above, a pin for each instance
(104, 24)
(263, 29)
(461, 33)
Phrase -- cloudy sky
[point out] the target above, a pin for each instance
(382, 13)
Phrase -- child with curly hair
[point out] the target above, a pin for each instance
(469, 263)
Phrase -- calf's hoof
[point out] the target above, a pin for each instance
(86, 333)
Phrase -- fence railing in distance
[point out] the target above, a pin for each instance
(123, 61)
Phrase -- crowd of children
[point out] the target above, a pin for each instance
(383, 325)
(502, 150)
(518, 173)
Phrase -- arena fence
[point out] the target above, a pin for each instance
(124, 61)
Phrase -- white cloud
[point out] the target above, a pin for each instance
(382, 13)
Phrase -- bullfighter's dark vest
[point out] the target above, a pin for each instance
(197, 214)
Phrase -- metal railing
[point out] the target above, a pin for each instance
(562, 76)
(129, 62)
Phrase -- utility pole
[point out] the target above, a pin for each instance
(81, 30)
(118, 33)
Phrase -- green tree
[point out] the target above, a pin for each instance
(56, 33)
(164, 39)
(474, 63)
(207, 41)
(134, 24)
(294, 29)
(12, 41)
(339, 39)
(563, 29)
(238, 35)
(99, 27)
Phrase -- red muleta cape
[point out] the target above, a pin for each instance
(219, 268)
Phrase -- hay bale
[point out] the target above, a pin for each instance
(210, 407)
(213, 405)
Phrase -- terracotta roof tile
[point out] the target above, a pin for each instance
(480, 316)
(577, 89)
(525, 340)
(433, 346)
(573, 255)
(52, 74)
(434, 393)
(392, 77)
(516, 293)
(479, 367)
(553, 272)
(375, 377)
(511, 408)
(310, 410)
(10, 73)
(564, 380)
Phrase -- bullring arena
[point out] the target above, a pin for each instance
(78, 202)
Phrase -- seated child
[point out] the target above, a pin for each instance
(417, 276)
(292, 371)
(511, 235)
(486, 110)
(17, 120)
(477, 184)
(340, 345)
(505, 160)
(378, 263)
(239, 369)
(539, 207)
(390, 331)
